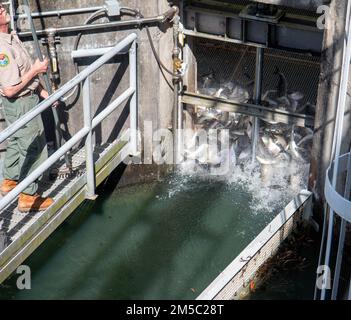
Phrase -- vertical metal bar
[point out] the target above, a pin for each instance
(134, 98)
(45, 75)
(321, 247)
(258, 95)
(347, 193)
(12, 15)
(339, 129)
(175, 123)
(243, 30)
(58, 134)
(339, 260)
(177, 107)
(342, 235)
(180, 116)
(180, 143)
(89, 150)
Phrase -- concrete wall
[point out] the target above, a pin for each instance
(155, 98)
(327, 102)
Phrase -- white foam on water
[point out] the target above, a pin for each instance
(283, 171)
(273, 193)
(268, 195)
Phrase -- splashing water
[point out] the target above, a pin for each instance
(272, 185)
(280, 170)
(275, 192)
(268, 195)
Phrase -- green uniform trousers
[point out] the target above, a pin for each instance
(26, 149)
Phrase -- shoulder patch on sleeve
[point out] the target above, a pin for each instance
(4, 60)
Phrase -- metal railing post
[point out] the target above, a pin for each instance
(258, 93)
(133, 100)
(45, 74)
(12, 8)
(89, 122)
(342, 235)
(338, 136)
(89, 149)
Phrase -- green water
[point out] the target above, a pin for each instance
(162, 241)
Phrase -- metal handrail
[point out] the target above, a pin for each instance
(340, 204)
(89, 123)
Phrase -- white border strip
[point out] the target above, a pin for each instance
(254, 247)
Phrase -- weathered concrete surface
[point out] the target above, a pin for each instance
(155, 98)
(327, 102)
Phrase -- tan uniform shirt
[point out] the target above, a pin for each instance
(15, 61)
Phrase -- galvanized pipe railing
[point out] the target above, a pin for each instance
(58, 134)
(9, 131)
(333, 175)
(138, 22)
(60, 13)
(340, 204)
(129, 41)
(258, 97)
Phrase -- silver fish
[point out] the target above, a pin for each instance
(263, 156)
(273, 148)
(266, 161)
(268, 98)
(244, 154)
(243, 147)
(208, 79)
(308, 109)
(284, 103)
(296, 96)
(208, 91)
(304, 140)
(293, 148)
(282, 87)
(200, 153)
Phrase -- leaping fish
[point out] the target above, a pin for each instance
(282, 88)
(294, 149)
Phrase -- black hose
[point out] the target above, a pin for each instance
(137, 13)
(75, 47)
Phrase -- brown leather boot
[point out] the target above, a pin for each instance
(7, 185)
(27, 203)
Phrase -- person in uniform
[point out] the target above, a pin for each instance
(20, 90)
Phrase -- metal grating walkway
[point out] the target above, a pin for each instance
(26, 231)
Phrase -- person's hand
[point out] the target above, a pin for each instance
(44, 94)
(41, 66)
(56, 104)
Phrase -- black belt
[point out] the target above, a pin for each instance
(28, 94)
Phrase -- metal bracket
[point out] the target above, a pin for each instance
(262, 12)
(56, 39)
(92, 198)
(113, 8)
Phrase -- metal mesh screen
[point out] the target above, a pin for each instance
(238, 287)
(220, 62)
